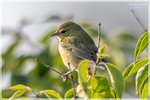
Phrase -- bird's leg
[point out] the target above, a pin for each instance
(96, 65)
(72, 81)
(94, 70)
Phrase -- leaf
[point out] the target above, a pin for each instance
(144, 87)
(52, 94)
(69, 93)
(134, 67)
(99, 88)
(102, 49)
(47, 36)
(82, 74)
(127, 70)
(145, 92)
(117, 79)
(137, 66)
(20, 87)
(17, 94)
(112, 92)
(103, 55)
(141, 44)
(141, 76)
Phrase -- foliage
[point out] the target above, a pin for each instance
(51, 93)
(141, 44)
(141, 67)
(21, 89)
(101, 83)
(69, 93)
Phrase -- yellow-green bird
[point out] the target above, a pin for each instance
(75, 45)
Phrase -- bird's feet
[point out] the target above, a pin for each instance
(102, 66)
(65, 76)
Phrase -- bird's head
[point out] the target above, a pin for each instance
(66, 29)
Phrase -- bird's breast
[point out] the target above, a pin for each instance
(69, 58)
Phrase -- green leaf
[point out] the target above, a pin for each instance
(47, 36)
(20, 87)
(103, 55)
(102, 49)
(82, 74)
(52, 94)
(145, 91)
(141, 75)
(134, 67)
(127, 70)
(117, 79)
(112, 92)
(17, 94)
(69, 93)
(99, 88)
(144, 88)
(141, 44)
(137, 66)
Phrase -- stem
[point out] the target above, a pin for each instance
(99, 28)
(49, 67)
(35, 94)
(72, 81)
(138, 20)
(97, 60)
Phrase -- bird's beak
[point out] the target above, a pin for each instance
(54, 34)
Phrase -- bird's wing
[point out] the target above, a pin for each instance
(81, 49)
(86, 41)
(88, 48)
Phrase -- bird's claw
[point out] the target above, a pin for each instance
(94, 71)
(102, 66)
(64, 77)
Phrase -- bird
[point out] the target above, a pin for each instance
(75, 45)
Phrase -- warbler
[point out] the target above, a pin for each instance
(75, 45)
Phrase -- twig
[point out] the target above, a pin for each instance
(99, 28)
(72, 81)
(98, 46)
(49, 67)
(37, 95)
(138, 20)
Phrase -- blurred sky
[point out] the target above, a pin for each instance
(112, 15)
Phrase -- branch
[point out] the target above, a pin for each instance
(33, 92)
(99, 29)
(49, 67)
(138, 20)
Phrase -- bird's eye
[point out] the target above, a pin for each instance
(63, 31)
